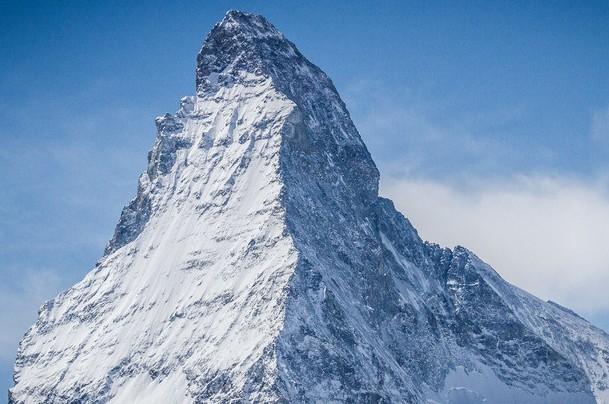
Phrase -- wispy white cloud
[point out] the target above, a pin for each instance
(547, 235)
(463, 176)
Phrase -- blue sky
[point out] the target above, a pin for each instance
(483, 110)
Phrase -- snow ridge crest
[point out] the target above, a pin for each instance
(257, 263)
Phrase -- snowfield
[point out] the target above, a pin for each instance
(257, 263)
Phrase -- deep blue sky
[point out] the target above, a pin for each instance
(439, 90)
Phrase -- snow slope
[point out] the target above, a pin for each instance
(258, 263)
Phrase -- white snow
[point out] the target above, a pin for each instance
(201, 289)
(246, 275)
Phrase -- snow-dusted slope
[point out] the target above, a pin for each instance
(257, 263)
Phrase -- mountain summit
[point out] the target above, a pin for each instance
(257, 263)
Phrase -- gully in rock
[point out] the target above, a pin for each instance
(257, 263)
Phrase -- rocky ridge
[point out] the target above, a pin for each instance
(257, 263)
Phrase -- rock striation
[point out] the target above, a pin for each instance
(257, 263)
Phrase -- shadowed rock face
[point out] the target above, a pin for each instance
(258, 263)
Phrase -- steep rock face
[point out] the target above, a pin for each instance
(257, 263)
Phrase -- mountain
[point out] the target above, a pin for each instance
(257, 263)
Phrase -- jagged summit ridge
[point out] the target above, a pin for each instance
(245, 42)
(253, 25)
(257, 263)
(246, 48)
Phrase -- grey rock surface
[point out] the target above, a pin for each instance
(257, 263)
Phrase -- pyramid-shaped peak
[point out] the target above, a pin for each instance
(257, 263)
(245, 43)
(252, 25)
(244, 50)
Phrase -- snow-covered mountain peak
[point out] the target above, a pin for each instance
(251, 25)
(257, 263)
(246, 49)
(240, 43)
